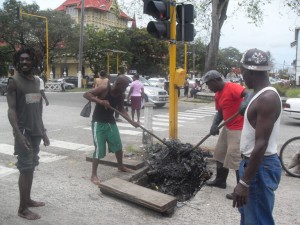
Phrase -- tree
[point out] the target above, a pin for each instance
(31, 31)
(228, 58)
(211, 16)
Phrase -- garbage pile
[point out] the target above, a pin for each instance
(176, 170)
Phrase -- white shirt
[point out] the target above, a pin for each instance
(248, 133)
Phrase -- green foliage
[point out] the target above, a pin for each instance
(30, 31)
(293, 92)
(282, 90)
(228, 58)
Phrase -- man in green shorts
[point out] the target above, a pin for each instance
(104, 125)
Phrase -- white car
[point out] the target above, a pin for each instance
(157, 82)
(67, 85)
(291, 108)
(156, 95)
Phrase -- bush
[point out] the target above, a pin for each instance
(293, 92)
(281, 89)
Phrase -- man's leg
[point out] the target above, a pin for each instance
(94, 177)
(30, 202)
(121, 167)
(25, 182)
(98, 131)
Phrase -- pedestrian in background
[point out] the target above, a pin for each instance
(42, 90)
(63, 83)
(260, 168)
(23, 98)
(136, 94)
(228, 99)
(102, 80)
(186, 87)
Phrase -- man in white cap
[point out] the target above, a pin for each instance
(260, 168)
(228, 99)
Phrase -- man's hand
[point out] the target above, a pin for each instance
(24, 141)
(240, 195)
(46, 140)
(105, 103)
(214, 129)
(217, 120)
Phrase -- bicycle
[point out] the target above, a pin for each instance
(290, 156)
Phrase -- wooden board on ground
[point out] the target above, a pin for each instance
(137, 194)
(111, 160)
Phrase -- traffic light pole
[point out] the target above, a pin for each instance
(173, 110)
(47, 42)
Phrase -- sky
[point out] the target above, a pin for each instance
(274, 35)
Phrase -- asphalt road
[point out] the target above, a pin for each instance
(62, 178)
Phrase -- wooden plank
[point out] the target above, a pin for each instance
(137, 194)
(111, 160)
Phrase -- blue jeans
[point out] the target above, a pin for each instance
(260, 202)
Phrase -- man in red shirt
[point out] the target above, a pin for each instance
(228, 99)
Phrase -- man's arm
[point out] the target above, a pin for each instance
(12, 114)
(95, 95)
(262, 117)
(44, 97)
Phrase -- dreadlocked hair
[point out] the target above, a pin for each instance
(30, 51)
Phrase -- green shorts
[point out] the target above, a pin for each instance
(105, 133)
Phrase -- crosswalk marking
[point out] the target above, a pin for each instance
(45, 157)
(71, 146)
(160, 122)
(180, 117)
(127, 125)
(5, 171)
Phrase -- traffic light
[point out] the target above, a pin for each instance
(185, 17)
(160, 10)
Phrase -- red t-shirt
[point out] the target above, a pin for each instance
(228, 100)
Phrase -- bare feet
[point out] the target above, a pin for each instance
(32, 203)
(125, 169)
(29, 215)
(95, 180)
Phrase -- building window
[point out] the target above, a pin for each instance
(72, 11)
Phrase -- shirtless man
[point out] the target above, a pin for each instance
(23, 98)
(104, 126)
(260, 168)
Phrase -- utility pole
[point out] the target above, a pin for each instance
(79, 74)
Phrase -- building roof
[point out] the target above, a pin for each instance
(102, 5)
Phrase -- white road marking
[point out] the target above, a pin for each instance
(179, 117)
(5, 171)
(71, 146)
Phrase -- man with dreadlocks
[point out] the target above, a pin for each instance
(24, 114)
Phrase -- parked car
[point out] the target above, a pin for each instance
(67, 85)
(3, 86)
(157, 82)
(291, 108)
(72, 80)
(156, 95)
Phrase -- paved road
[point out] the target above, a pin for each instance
(62, 178)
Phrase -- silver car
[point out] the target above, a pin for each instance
(156, 95)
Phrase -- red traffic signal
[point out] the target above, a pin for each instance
(160, 10)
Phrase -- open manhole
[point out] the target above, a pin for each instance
(173, 174)
(176, 170)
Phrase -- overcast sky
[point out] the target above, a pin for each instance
(274, 35)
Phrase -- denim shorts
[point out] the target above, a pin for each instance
(260, 202)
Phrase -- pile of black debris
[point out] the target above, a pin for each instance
(177, 170)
